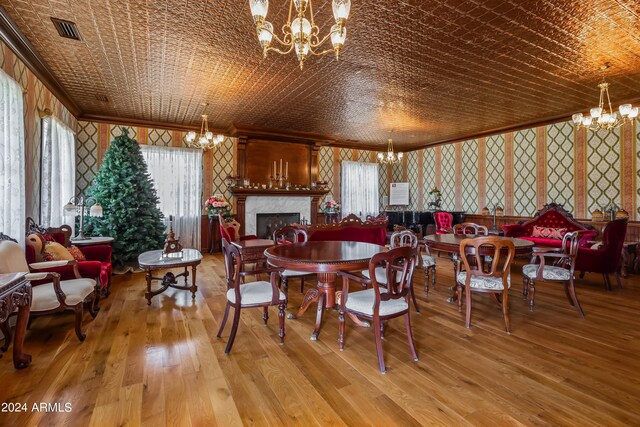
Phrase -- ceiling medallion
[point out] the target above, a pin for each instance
(205, 140)
(300, 35)
(603, 116)
(390, 158)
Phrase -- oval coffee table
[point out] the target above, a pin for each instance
(153, 260)
(325, 259)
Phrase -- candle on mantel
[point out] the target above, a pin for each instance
(280, 167)
(286, 170)
(275, 171)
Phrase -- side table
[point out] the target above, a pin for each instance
(92, 241)
(15, 292)
(215, 239)
(153, 260)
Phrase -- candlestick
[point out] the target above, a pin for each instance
(286, 170)
(280, 167)
(275, 172)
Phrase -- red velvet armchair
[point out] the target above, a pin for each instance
(230, 230)
(606, 258)
(551, 215)
(444, 222)
(98, 263)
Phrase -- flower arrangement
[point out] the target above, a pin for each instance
(330, 207)
(217, 204)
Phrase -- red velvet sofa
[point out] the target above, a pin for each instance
(551, 215)
(352, 229)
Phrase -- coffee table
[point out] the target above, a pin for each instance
(325, 259)
(154, 260)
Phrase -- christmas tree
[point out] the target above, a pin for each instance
(125, 191)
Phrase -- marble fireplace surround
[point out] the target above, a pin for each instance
(252, 201)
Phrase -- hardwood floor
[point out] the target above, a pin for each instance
(163, 365)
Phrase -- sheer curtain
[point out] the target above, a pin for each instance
(12, 159)
(177, 177)
(58, 178)
(359, 188)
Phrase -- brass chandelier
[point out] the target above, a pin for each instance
(603, 116)
(390, 158)
(300, 35)
(205, 140)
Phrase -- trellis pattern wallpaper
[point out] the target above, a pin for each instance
(524, 172)
(448, 173)
(413, 174)
(325, 169)
(469, 187)
(428, 174)
(603, 169)
(495, 167)
(560, 164)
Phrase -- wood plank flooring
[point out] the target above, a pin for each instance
(163, 365)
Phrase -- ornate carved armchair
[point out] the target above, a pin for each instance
(230, 230)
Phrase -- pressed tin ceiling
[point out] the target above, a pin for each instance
(420, 72)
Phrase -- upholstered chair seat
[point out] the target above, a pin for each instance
(381, 275)
(549, 272)
(484, 282)
(293, 273)
(428, 261)
(259, 292)
(76, 291)
(363, 302)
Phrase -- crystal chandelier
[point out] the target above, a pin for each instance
(300, 35)
(603, 116)
(205, 139)
(390, 158)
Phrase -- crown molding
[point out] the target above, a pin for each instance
(24, 50)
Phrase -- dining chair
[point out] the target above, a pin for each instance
(286, 236)
(444, 222)
(383, 300)
(495, 279)
(470, 228)
(561, 270)
(428, 264)
(250, 294)
(398, 239)
(50, 294)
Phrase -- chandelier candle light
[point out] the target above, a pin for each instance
(300, 35)
(603, 118)
(390, 158)
(205, 139)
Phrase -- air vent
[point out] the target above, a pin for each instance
(66, 29)
(102, 98)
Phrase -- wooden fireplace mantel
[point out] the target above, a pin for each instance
(241, 193)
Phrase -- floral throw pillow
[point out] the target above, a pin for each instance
(76, 253)
(548, 233)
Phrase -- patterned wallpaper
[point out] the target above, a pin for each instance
(36, 98)
(448, 177)
(413, 176)
(603, 169)
(428, 175)
(94, 139)
(560, 164)
(495, 167)
(524, 168)
(469, 185)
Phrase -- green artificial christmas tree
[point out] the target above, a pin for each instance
(125, 191)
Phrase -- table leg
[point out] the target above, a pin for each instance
(148, 294)
(194, 287)
(20, 359)
(455, 296)
(324, 295)
(309, 298)
(625, 261)
(319, 313)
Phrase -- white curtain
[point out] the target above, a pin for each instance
(177, 177)
(359, 188)
(12, 159)
(58, 178)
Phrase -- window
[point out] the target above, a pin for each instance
(177, 177)
(359, 188)
(12, 160)
(58, 176)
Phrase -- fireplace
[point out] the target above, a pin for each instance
(267, 223)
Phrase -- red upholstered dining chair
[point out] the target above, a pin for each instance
(606, 258)
(444, 222)
(561, 270)
(251, 294)
(382, 301)
(285, 236)
(230, 230)
(496, 279)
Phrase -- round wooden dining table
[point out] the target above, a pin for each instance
(325, 259)
(450, 243)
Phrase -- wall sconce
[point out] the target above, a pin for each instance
(77, 206)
